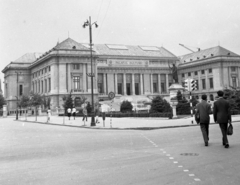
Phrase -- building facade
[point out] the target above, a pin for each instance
(124, 70)
(214, 69)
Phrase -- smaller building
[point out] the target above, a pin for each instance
(214, 69)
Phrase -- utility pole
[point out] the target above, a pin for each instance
(89, 23)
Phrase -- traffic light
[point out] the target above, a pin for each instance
(193, 85)
(186, 84)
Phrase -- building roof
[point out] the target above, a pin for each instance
(126, 50)
(117, 50)
(70, 44)
(207, 53)
(28, 58)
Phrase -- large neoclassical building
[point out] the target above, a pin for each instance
(122, 69)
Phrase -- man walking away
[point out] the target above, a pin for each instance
(204, 110)
(74, 112)
(222, 115)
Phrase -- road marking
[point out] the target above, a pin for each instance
(175, 162)
(197, 179)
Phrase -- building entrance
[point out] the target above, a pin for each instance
(128, 88)
(137, 88)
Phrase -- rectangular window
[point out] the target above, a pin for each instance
(211, 83)
(75, 66)
(49, 84)
(49, 68)
(183, 75)
(20, 90)
(189, 74)
(233, 69)
(209, 70)
(45, 85)
(234, 81)
(203, 84)
(120, 88)
(155, 87)
(203, 72)
(42, 85)
(155, 82)
(100, 88)
(76, 82)
(195, 73)
(163, 89)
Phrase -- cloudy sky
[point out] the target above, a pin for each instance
(37, 25)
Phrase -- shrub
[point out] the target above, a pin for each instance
(160, 105)
(126, 106)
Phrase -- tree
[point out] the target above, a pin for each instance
(46, 101)
(24, 103)
(126, 106)
(35, 100)
(2, 101)
(233, 97)
(68, 103)
(183, 106)
(160, 105)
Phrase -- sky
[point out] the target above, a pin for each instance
(37, 25)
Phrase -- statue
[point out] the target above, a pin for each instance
(174, 72)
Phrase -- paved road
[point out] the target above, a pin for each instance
(34, 153)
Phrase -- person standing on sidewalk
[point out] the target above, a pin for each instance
(222, 115)
(48, 115)
(84, 111)
(204, 110)
(69, 113)
(74, 112)
(97, 112)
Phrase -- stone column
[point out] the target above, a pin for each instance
(133, 84)
(167, 83)
(84, 78)
(238, 72)
(141, 84)
(54, 78)
(104, 83)
(151, 84)
(62, 78)
(124, 84)
(116, 83)
(159, 84)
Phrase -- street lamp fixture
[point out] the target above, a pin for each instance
(90, 24)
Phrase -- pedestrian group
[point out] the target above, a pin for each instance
(221, 115)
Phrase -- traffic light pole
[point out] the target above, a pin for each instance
(191, 107)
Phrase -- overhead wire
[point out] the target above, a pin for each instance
(101, 25)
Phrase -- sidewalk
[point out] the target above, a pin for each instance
(121, 123)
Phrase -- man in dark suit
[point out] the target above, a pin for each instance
(222, 115)
(204, 110)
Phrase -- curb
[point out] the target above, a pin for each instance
(132, 128)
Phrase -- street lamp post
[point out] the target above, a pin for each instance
(89, 23)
